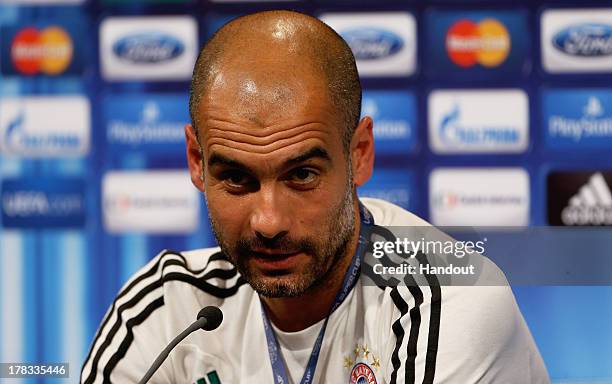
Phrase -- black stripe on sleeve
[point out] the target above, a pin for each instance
(150, 272)
(398, 330)
(413, 336)
(434, 323)
(127, 341)
(196, 281)
(213, 290)
(415, 324)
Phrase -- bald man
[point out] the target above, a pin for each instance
(277, 148)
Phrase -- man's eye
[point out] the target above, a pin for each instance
(303, 176)
(235, 178)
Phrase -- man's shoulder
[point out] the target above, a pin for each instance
(159, 301)
(473, 327)
(207, 270)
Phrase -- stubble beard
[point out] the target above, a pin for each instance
(325, 250)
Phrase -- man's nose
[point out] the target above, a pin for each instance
(270, 218)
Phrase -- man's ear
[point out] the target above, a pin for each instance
(194, 157)
(362, 151)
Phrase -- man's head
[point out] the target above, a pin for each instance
(277, 147)
(293, 38)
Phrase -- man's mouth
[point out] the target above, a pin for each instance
(272, 252)
(275, 259)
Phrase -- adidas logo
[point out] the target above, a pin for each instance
(212, 376)
(592, 205)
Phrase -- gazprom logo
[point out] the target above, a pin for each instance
(372, 43)
(17, 137)
(148, 48)
(478, 121)
(585, 40)
(45, 126)
(452, 131)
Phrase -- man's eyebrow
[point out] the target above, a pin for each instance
(316, 152)
(217, 159)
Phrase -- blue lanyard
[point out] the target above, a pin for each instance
(279, 370)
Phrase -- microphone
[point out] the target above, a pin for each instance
(209, 318)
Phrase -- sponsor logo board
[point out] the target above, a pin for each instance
(150, 122)
(45, 126)
(43, 203)
(42, 2)
(150, 202)
(481, 43)
(577, 118)
(146, 2)
(393, 185)
(394, 115)
(479, 197)
(45, 50)
(252, 1)
(384, 43)
(579, 198)
(486, 43)
(478, 121)
(151, 48)
(577, 40)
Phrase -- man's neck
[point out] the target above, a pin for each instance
(292, 314)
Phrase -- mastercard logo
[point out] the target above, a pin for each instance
(48, 51)
(486, 43)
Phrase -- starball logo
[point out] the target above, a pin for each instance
(47, 51)
(486, 43)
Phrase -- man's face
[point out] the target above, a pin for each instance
(276, 179)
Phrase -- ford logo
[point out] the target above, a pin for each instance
(586, 40)
(372, 43)
(148, 48)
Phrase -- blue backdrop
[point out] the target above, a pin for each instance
(93, 100)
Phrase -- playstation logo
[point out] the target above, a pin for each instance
(150, 112)
(593, 108)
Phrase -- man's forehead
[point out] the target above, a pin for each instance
(251, 142)
(266, 97)
(251, 97)
(261, 77)
(267, 120)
